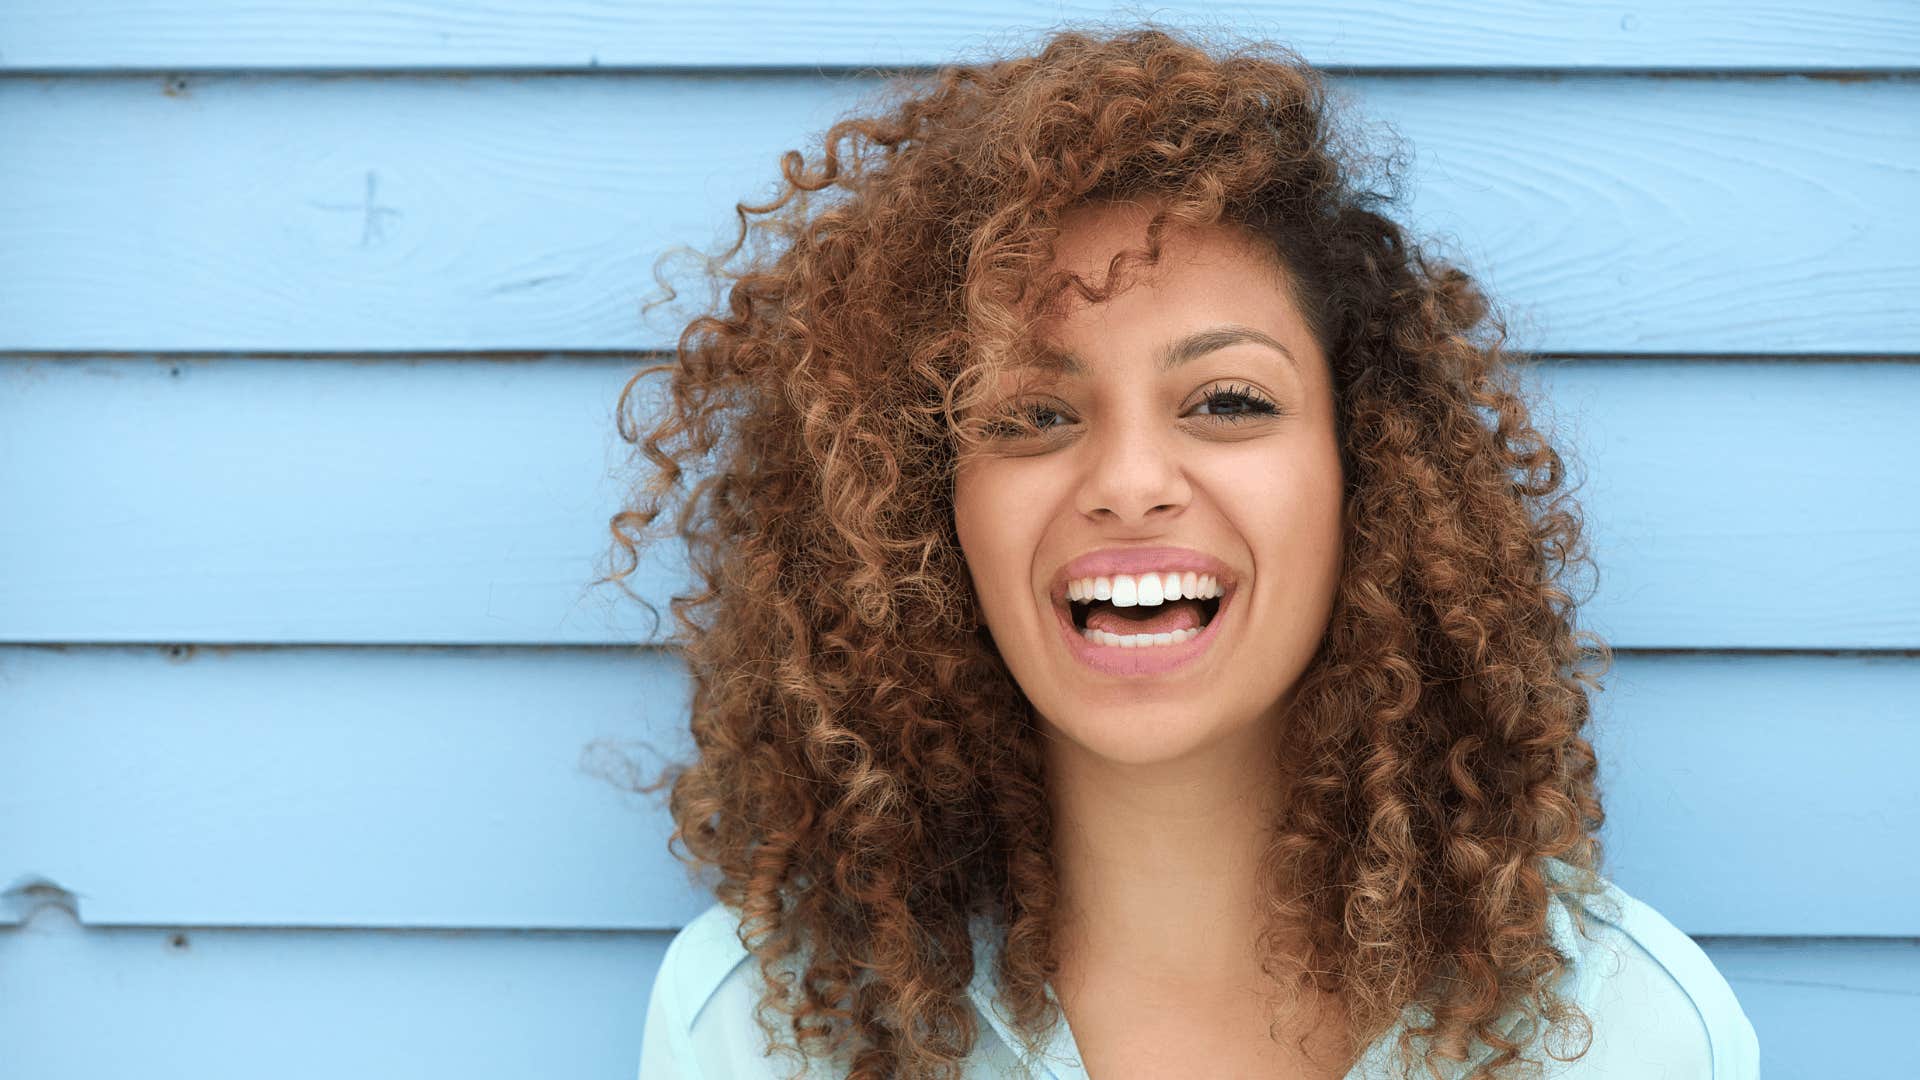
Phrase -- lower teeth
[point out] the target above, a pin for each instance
(1139, 641)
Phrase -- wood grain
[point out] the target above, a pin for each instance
(237, 213)
(405, 501)
(1720, 35)
(475, 788)
(505, 1005)
(88, 1003)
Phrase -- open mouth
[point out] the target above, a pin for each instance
(1142, 639)
(1171, 615)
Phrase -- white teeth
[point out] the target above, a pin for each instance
(1150, 594)
(1148, 590)
(1140, 641)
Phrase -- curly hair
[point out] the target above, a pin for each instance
(868, 777)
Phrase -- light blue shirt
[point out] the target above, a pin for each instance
(1660, 1009)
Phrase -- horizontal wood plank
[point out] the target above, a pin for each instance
(345, 787)
(316, 501)
(1728, 776)
(598, 34)
(507, 1005)
(331, 214)
(91, 1003)
(1731, 505)
(479, 788)
(1799, 992)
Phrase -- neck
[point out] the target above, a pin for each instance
(1158, 865)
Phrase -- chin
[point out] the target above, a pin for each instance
(1143, 735)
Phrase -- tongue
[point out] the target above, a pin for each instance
(1165, 619)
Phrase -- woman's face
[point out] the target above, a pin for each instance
(1196, 440)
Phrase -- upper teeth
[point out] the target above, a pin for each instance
(1128, 590)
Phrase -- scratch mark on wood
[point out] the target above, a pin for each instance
(373, 215)
(528, 283)
(29, 895)
(1819, 984)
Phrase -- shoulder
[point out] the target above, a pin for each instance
(695, 1027)
(1658, 1006)
(699, 960)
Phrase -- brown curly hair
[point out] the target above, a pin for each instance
(868, 776)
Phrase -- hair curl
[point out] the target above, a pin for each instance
(868, 775)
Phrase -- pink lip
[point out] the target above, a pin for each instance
(1157, 659)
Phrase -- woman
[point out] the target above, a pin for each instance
(1130, 642)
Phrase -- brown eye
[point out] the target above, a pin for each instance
(1024, 420)
(1233, 404)
(1039, 411)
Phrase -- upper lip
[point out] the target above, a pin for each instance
(1106, 562)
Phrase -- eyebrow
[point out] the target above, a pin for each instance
(1194, 345)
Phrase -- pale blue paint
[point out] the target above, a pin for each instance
(1609, 214)
(324, 1004)
(192, 1003)
(459, 502)
(1714, 35)
(477, 787)
(1811, 1000)
(387, 792)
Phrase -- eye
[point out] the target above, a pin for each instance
(1034, 419)
(1027, 419)
(1238, 404)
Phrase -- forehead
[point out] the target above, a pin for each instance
(1090, 235)
(1219, 272)
(1210, 288)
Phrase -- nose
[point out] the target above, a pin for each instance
(1132, 473)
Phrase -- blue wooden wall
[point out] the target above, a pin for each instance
(311, 323)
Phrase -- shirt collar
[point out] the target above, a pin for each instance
(1059, 1057)
(1576, 983)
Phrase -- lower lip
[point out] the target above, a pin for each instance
(1142, 660)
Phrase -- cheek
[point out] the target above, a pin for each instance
(998, 531)
(977, 522)
(1290, 515)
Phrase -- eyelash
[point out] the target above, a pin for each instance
(1257, 404)
(1253, 404)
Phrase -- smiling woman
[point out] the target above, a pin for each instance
(1131, 639)
(1195, 434)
